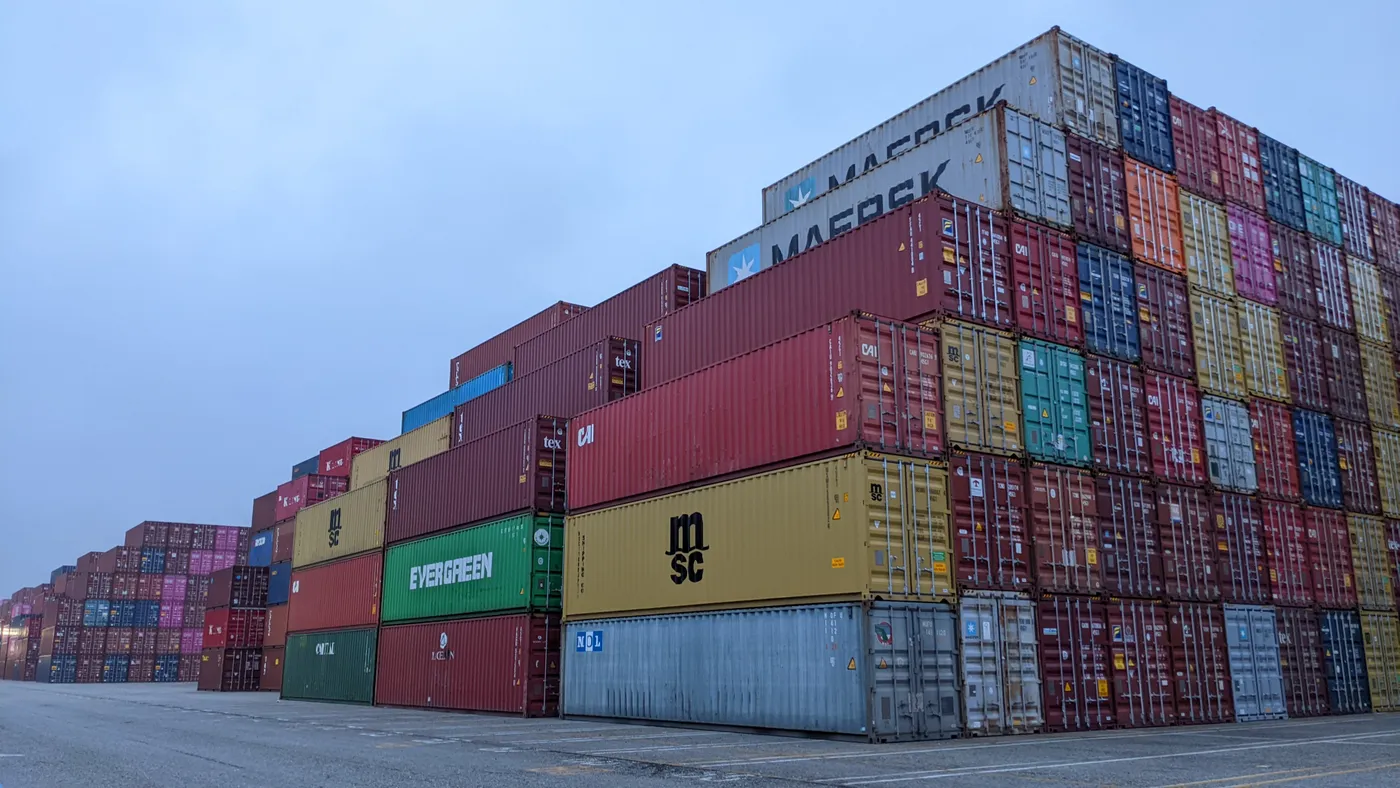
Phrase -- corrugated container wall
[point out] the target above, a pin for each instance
(1098, 195)
(1319, 188)
(1164, 318)
(1386, 445)
(1286, 553)
(1355, 219)
(1344, 659)
(1330, 280)
(1316, 443)
(1216, 332)
(338, 460)
(1240, 541)
(1063, 513)
(330, 666)
(1384, 216)
(1108, 296)
(1381, 633)
(1239, 161)
(1261, 346)
(336, 595)
(348, 525)
(1370, 563)
(1229, 445)
(1207, 234)
(1255, 668)
(1293, 266)
(264, 511)
(1275, 458)
(442, 405)
(1303, 359)
(1368, 302)
(991, 541)
(978, 287)
(1201, 664)
(1046, 274)
(1142, 663)
(1278, 163)
(1053, 403)
(1117, 416)
(1000, 663)
(1356, 467)
(305, 467)
(1300, 656)
(500, 349)
(377, 463)
(1154, 214)
(1195, 149)
(1075, 664)
(1174, 425)
(1130, 549)
(1144, 116)
(1188, 544)
(1329, 553)
(1378, 370)
(1252, 256)
(1346, 382)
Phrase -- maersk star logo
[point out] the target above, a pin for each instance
(743, 263)
(797, 196)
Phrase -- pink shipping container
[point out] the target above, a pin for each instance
(1117, 416)
(1356, 221)
(172, 615)
(1286, 553)
(1333, 286)
(191, 641)
(1303, 358)
(500, 349)
(338, 595)
(1239, 161)
(991, 542)
(172, 588)
(223, 561)
(1293, 264)
(1189, 547)
(1275, 457)
(1047, 283)
(1143, 675)
(1130, 549)
(511, 470)
(1356, 460)
(1253, 254)
(1239, 538)
(1329, 558)
(1164, 318)
(1063, 514)
(1196, 149)
(1174, 428)
(860, 382)
(1341, 364)
(295, 494)
(201, 562)
(336, 460)
(1384, 216)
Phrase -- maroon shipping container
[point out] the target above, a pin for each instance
(1300, 657)
(119, 641)
(1332, 284)
(1130, 550)
(194, 613)
(205, 536)
(336, 460)
(1117, 416)
(515, 469)
(273, 661)
(1392, 541)
(143, 641)
(1286, 553)
(505, 664)
(1390, 291)
(264, 512)
(1360, 491)
(61, 611)
(1075, 664)
(1098, 195)
(182, 534)
(189, 667)
(120, 559)
(284, 540)
(991, 545)
(276, 633)
(177, 561)
(1189, 549)
(1063, 514)
(1341, 366)
(168, 641)
(238, 586)
(1164, 321)
(1201, 663)
(141, 668)
(1356, 218)
(87, 562)
(335, 596)
(1239, 161)
(601, 373)
(92, 585)
(1239, 541)
(1329, 558)
(976, 274)
(1303, 356)
(1293, 278)
(148, 534)
(197, 589)
(1384, 216)
(1196, 149)
(90, 669)
(229, 670)
(304, 491)
(230, 628)
(1174, 427)
(626, 314)
(92, 641)
(860, 382)
(1140, 643)
(124, 586)
(500, 349)
(60, 639)
(1275, 457)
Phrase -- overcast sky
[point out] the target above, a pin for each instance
(232, 234)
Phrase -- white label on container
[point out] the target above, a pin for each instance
(986, 630)
(1028, 358)
(975, 484)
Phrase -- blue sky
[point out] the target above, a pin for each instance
(235, 233)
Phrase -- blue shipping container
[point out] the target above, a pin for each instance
(1144, 117)
(59, 572)
(62, 669)
(122, 614)
(279, 583)
(442, 404)
(96, 612)
(167, 668)
(260, 551)
(306, 467)
(1318, 473)
(1344, 660)
(1283, 184)
(146, 613)
(114, 670)
(152, 560)
(1108, 299)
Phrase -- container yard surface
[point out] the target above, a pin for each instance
(170, 735)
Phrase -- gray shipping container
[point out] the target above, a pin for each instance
(882, 672)
(1252, 635)
(1229, 445)
(1000, 663)
(1056, 78)
(1000, 159)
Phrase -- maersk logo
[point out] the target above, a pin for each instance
(457, 570)
(743, 263)
(797, 196)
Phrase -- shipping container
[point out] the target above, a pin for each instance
(515, 564)
(442, 405)
(1239, 161)
(284, 541)
(166, 668)
(1144, 116)
(350, 524)
(305, 491)
(1200, 663)
(1239, 539)
(1275, 458)
(1304, 361)
(114, 670)
(1357, 467)
(1381, 638)
(1045, 273)
(1370, 563)
(1390, 300)
(1143, 671)
(886, 538)
(977, 273)
(339, 459)
(1320, 211)
(1384, 217)
(276, 632)
(1164, 319)
(1252, 634)
(1098, 196)
(1369, 309)
(1196, 151)
(1278, 164)
(991, 541)
(1001, 159)
(336, 595)
(230, 628)
(1188, 544)
(1387, 455)
(305, 467)
(1355, 219)
(238, 586)
(884, 672)
(379, 461)
(1130, 550)
(500, 349)
(1329, 558)
(999, 663)
(170, 615)
(1075, 664)
(1286, 553)
(153, 560)
(1053, 402)
(1117, 416)
(506, 664)
(1293, 271)
(96, 612)
(1378, 372)
(481, 480)
(1175, 428)
(1344, 659)
(1216, 333)
(1330, 280)
(1107, 292)
(1316, 443)
(264, 514)
(1154, 216)
(1054, 77)
(1229, 445)
(148, 534)
(279, 583)
(192, 640)
(330, 666)
(1300, 658)
(230, 670)
(260, 554)
(980, 388)
(1208, 235)
(1252, 257)
(1346, 382)
(1063, 515)
(273, 660)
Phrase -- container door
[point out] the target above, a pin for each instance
(1239, 636)
(913, 657)
(1021, 674)
(1268, 671)
(983, 693)
(1347, 685)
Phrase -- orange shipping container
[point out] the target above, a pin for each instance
(1154, 214)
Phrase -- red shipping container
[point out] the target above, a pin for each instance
(1117, 416)
(1196, 150)
(335, 596)
(264, 512)
(1130, 550)
(1286, 553)
(515, 469)
(242, 586)
(506, 664)
(1164, 321)
(1239, 541)
(1174, 427)
(1252, 253)
(336, 460)
(1188, 544)
(120, 559)
(230, 670)
(1293, 263)
(991, 546)
(500, 349)
(1098, 195)
(301, 492)
(1239, 161)
(148, 534)
(1385, 230)
(1139, 641)
(1332, 285)
(1392, 541)
(1300, 657)
(90, 669)
(1275, 458)
(1329, 558)
(1075, 664)
(141, 669)
(1303, 356)
(87, 563)
(284, 540)
(276, 634)
(974, 282)
(1063, 512)
(1356, 460)
(273, 661)
(177, 561)
(860, 382)
(191, 640)
(59, 639)
(1201, 663)
(231, 628)
(626, 314)
(599, 374)
(1341, 366)
(168, 641)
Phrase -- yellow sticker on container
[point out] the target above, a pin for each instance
(921, 287)
(883, 664)
(842, 421)
(940, 567)
(1071, 314)
(931, 421)
(852, 664)
(838, 563)
(1103, 688)
(1085, 296)
(1118, 663)
(1092, 556)
(1195, 456)
(836, 515)
(1342, 462)
(949, 256)
(522, 478)
(977, 160)
(840, 392)
(1144, 314)
(1009, 426)
(1118, 220)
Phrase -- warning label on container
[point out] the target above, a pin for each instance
(852, 664)
(838, 563)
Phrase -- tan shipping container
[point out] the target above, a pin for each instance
(346, 525)
(1378, 368)
(1367, 302)
(1261, 347)
(854, 527)
(981, 391)
(1381, 635)
(1205, 234)
(1370, 563)
(1216, 332)
(1386, 445)
(428, 440)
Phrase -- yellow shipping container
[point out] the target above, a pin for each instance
(1386, 445)
(981, 392)
(1370, 563)
(1205, 231)
(345, 525)
(1379, 371)
(854, 527)
(1216, 332)
(1261, 347)
(428, 440)
(1367, 301)
(1381, 635)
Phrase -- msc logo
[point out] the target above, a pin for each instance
(585, 435)
(743, 263)
(395, 457)
(797, 196)
(325, 649)
(333, 529)
(688, 548)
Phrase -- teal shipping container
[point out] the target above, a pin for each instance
(442, 404)
(1054, 404)
(1320, 213)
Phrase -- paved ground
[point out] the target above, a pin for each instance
(170, 735)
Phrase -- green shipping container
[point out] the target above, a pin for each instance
(1320, 201)
(1054, 404)
(334, 666)
(511, 565)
